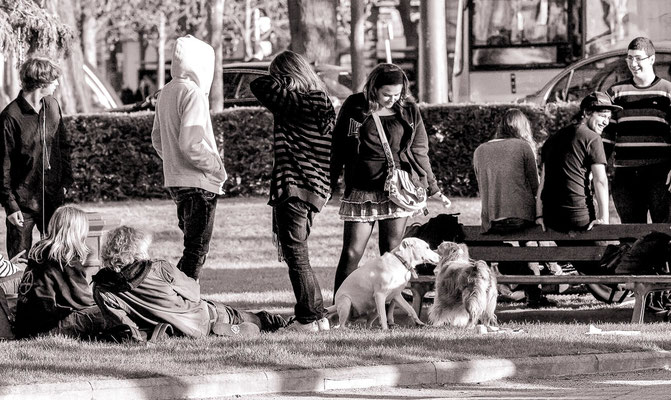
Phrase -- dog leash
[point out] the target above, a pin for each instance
(406, 265)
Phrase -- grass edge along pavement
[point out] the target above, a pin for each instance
(320, 380)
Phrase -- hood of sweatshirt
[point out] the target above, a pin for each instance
(193, 59)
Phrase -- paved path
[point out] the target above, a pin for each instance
(650, 384)
(326, 380)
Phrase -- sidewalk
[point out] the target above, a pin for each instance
(264, 382)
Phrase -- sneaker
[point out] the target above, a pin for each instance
(271, 322)
(297, 326)
(245, 329)
(323, 324)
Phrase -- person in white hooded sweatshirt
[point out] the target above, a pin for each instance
(182, 136)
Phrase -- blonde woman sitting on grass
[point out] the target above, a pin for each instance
(54, 295)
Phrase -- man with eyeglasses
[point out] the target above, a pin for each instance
(640, 137)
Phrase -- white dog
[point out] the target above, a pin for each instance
(466, 290)
(379, 281)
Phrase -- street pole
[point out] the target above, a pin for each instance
(358, 44)
(433, 87)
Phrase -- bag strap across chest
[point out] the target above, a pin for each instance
(385, 143)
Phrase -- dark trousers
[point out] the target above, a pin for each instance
(21, 238)
(639, 190)
(87, 323)
(195, 210)
(293, 219)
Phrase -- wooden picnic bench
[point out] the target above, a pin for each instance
(488, 247)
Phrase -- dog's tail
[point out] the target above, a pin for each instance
(477, 296)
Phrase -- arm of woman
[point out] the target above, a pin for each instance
(338, 144)
(420, 151)
(274, 95)
(531, 169)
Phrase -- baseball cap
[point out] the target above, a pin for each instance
(598, 101)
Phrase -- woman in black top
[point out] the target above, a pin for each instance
(357, 147)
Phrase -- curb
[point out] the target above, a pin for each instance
(318, 380)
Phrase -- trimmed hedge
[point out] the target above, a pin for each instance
(113, 158)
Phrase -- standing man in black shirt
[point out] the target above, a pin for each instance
(35, 154)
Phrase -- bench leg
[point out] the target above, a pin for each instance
(418, 292)
(641, 291)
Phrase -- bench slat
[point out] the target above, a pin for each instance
(578, 279)
(572, 279)
(599, 232)
(573, 253)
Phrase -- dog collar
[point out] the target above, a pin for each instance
(406, 265)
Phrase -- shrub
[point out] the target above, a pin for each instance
(113, 158)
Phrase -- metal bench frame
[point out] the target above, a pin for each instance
(488, 247)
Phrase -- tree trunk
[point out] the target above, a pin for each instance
(247, 34)
(358, 44)
(216, 13)
(312, 24)
(433, 53)
(160, 65)
(409, 28)
(12, 86)
(5, 97)
(89, 33)
(73, 95)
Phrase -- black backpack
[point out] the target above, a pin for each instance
(439, 229)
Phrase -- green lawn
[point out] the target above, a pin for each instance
(243, 270)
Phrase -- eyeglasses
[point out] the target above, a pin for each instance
(637, 59)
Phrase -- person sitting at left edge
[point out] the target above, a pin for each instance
(137, 294)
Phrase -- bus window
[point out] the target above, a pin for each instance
(516, 33)
(612, 25)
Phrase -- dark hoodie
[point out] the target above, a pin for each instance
(48, 293)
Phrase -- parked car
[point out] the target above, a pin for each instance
(102, 95)
(598, 72)
(238, 76)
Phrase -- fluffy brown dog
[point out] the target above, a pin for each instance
(465, 289)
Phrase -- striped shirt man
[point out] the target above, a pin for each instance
(641, 135)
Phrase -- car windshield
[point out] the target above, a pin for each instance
(337, 83)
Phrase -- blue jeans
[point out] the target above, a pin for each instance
(639, 190)
(195, 210)
(293, 220)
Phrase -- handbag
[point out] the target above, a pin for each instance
(398, 185)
